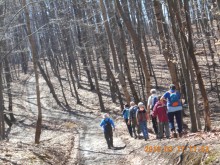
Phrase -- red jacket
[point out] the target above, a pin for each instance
(160, 110)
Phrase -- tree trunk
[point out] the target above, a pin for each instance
(165, 46)
(2, 123)
(109, 34)
(8, 81)
(137, 44)
(114, 55)
(125, 59)
(49, 84)
(101, 103)
(34, 55)
(197, 69)
(184, 67)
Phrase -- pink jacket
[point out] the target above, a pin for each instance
(160, 111)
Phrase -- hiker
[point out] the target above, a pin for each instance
(150, 105)
(107, 124)
(142, 117)
(160, 111)
(132, 120)
(174, 108)
(125, 114)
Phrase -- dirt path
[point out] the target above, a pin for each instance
(92, 146)
(73, 136)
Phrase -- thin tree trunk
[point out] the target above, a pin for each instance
(109, 34)
(60, 81)
(165, 49)
(33, 52)
(49, 84)
(2, 123)
(8, 81)
(101, 103)
(114, 55)
(184, 66)
(125, 59)
(137, 44)
(197, 69)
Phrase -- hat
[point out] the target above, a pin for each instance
(140, 104)
(172, 86)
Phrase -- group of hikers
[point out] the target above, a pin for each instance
(161, 110)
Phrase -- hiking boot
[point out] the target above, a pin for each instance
(146, 138)
(135, 136)
(174, 135)
(180, 134)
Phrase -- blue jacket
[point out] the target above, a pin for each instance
(125, 113)
(170, 108)
(103, 123)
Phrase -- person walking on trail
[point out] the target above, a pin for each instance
(160, 111)
(174, 107)
(107, 124)
(125, 114)
(132, 119)
(150, 105)
(142, 118)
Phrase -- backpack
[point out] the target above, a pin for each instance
(154, 101)
(174, 100)
(108, 126)
(141, 114)
(133, 112)
(125, 113)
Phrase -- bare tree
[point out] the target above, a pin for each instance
(34, 55)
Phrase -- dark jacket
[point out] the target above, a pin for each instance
(141, 115)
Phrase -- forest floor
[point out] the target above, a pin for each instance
(73, 135)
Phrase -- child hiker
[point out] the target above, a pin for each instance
(142, 118)
(107, 124)
(160, 111)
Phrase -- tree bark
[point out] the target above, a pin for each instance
(34, 55)
(165, 46)
(2, 123)
(137, 45)
(197, 69)
(8, 81)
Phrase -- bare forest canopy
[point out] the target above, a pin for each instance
(119, 42)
